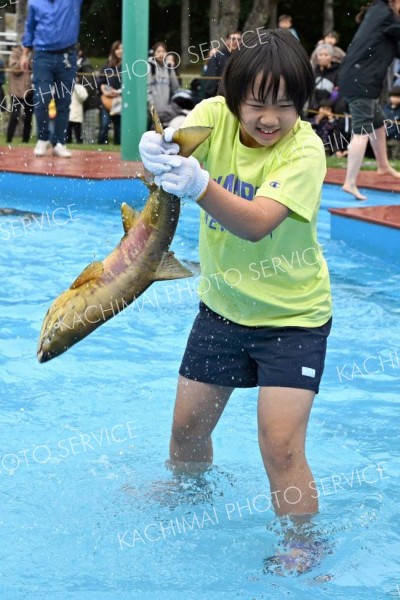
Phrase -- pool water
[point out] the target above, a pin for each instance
(89, 510)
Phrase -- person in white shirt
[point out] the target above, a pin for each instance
(78, 97)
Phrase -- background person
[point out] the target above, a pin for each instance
(361, 79)
(286, 22)
(392, 125)
(3, 100)
(110, 84)
(79, 95)
(51, 32)
(162, 83)
(326, 73)
(331, 38)
(21, 92)
(218, 59)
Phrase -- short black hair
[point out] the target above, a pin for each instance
(326, 103)
(284, 18)
(276, 54)
(395, 91)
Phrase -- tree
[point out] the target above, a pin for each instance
(20, 9)
(260, 14)
(228, 20)
(3, 18)
(329, 22)
(185, 31)
(214, 19)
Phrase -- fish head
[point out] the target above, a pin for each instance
(62, 325)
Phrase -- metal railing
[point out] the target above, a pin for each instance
(8, 39)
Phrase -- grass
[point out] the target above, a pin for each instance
(16, 143)
(369, 164)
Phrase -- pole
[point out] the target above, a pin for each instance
(135, 39)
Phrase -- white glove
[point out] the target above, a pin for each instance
(187, 180)
(154, 150)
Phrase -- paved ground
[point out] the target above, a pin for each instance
(109, 165)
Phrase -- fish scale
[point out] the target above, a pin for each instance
(104, 289)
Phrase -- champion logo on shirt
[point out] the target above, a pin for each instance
(275, 184)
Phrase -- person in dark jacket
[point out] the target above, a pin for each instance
(218, 61)
(326, 74)
(392, 122)
(361, 78)
(110, 84)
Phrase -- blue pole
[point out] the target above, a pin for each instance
(135, 40)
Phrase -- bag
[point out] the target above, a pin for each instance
(106, 102)
(113, 105)
(116, 106)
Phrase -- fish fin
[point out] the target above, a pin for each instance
(189, 138)
(151, 186)
(171, 268)
(156, 120)
(95, 269)
(129, 216)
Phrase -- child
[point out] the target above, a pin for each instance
(327, 126)
(265, 310)
(79, 95)
(392, 123)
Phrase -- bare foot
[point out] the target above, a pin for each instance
(353, 189)
(389, 171)
(298, 558)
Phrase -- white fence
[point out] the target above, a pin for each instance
(7, 40)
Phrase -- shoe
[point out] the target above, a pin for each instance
(41, 147)
(61, 151)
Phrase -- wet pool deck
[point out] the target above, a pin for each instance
(109, 165)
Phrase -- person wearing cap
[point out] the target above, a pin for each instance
(51, 34)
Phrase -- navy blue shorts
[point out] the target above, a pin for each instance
(221, 352)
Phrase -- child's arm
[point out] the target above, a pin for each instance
(185, 178)
(251, 221)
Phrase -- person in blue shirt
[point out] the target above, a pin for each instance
(51, 33)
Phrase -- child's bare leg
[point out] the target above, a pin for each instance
(198, 407)
(282, 423)
(379, 146)
(356, 152)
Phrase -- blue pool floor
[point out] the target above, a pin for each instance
(89, 510)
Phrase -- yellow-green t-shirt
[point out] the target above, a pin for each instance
(281, 280)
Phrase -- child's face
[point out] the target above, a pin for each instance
(326, 111)
(330, 39)
(263, 125)
(394, 100)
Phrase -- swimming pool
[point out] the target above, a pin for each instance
(88, 508)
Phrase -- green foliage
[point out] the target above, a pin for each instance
(101, 25)
(101, 21)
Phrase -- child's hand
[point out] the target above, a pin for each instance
(155, 153)
(187, 180)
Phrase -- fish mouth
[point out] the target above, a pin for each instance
(41, 356)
